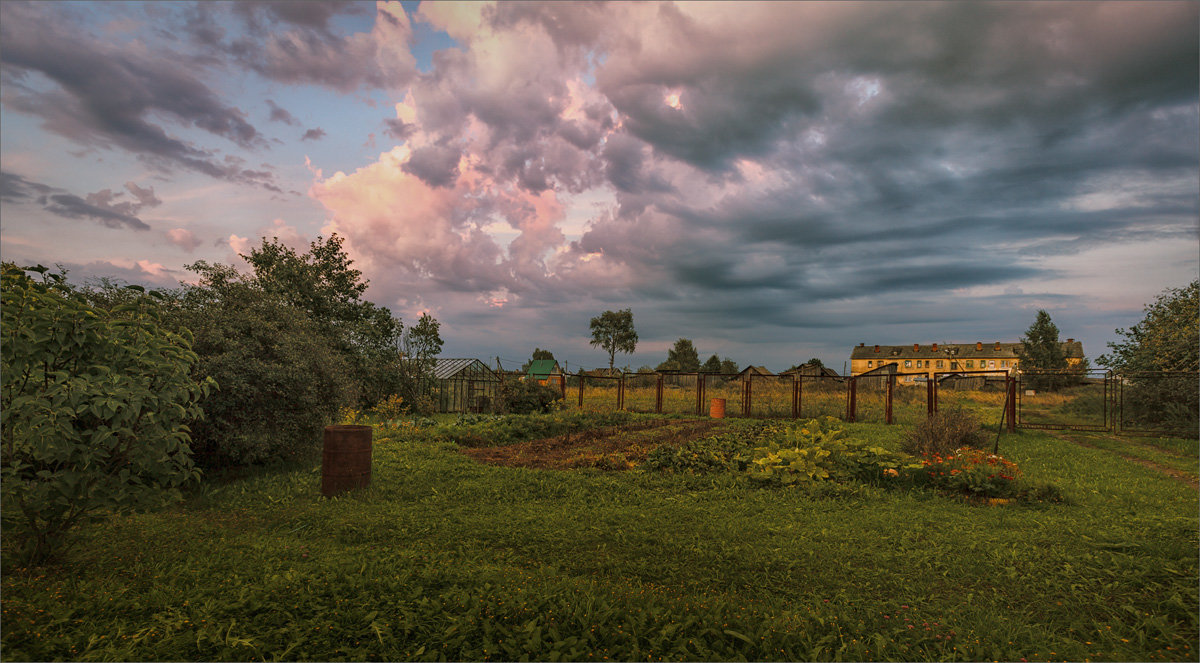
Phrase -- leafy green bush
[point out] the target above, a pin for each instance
(526, 397)
(281, 379)
(819, 450)
(944, 432)
(93, 410)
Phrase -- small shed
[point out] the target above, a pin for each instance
(754, 370)
(464, 385)
(542, 369)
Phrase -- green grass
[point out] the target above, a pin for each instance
(443, 557)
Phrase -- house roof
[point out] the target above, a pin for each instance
(993, 350)
(444, 369)
(810, 369)
(540, 368)
(757, 370)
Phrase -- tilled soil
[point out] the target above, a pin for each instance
(610, 448)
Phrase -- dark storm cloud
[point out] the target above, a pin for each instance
(111, 209)
(279, 114)
(106, 94)
(297, 43)
(436, 165)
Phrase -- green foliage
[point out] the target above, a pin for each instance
(729, 366)
(323, 285)
(447, 558)
(682, 357)
(526, 397)
(968, 471)
(613, 332)
(421, 344)
(1042, 355)
(811, 362)
(281, 376)
(391, 407)
(712, 365)
(820, 450)
(722, 452)
(1167, 339)
(947, 430)
(94, 406)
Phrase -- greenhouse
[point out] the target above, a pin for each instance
(464, 385)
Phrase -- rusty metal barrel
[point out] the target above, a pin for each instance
(716, 408)
(345, 459)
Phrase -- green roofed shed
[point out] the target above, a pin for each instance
(542, 369)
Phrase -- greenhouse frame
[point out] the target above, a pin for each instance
(465, 385)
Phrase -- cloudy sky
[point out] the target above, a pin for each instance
(774, 181)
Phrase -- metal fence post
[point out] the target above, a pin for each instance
(887, 415)
(621, 393)
(582, 379)
(852, 405)
(700, 395)
(658, 395)
(795, 396)
(1011, 404)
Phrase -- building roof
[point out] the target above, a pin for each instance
(994, 350)
(540, 369)
(886, 369)
(812, 370)
(444, 369)
(757, 370)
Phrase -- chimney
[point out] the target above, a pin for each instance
(876, 348)
(935, 347)
(1070, 340)
(916, 347)
(861, 344)
(978, 345)
(997, 345)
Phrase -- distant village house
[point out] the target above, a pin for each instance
(945, 357)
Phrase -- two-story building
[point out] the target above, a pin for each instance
(946, 357)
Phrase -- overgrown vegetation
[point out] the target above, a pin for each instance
(944, 432)
(447, 558)
(93, 406)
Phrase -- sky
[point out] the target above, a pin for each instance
(774, 181)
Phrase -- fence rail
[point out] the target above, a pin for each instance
(1147, 403)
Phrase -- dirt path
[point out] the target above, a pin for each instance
(612, 448)
(1184, 477)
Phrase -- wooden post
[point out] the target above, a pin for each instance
(621, 393)
(795, 397)
(746, 395)
(658, 395)
(1011, 404)
(887, 413)
(852, 404)
(930, 405)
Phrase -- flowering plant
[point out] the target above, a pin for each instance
(970, 471)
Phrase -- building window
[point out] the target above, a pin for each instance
(870, 363)
(991, 364)
(970, 364)
(918, 363)
(1004, 364)
(908, 363)
(939, 363)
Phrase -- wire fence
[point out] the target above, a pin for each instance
(1160, 403)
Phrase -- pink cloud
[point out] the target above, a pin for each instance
(183, 238)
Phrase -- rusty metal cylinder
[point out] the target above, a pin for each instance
(345, 459)
(716, 408)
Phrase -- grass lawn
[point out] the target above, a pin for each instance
(445, 557)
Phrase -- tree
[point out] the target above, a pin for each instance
(729, 366)
(713, 365)
(323, 284)
(1167, 339)
(421, 345)
(683, 358)
(1041, 353)
(613, 332)
(811, 362)
(93, 409)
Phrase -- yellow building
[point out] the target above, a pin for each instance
(946, 357)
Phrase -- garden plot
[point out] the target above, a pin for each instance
(609, 448)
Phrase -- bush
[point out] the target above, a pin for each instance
(944, 432)
(971, 472)
(281, 381)
(93, 410)
(526, 397)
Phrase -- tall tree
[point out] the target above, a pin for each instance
(713, 365)
(683, 357)
(539, 353)
(729, 366)
(1167, 339)
(613, 332)
(1041, 351)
